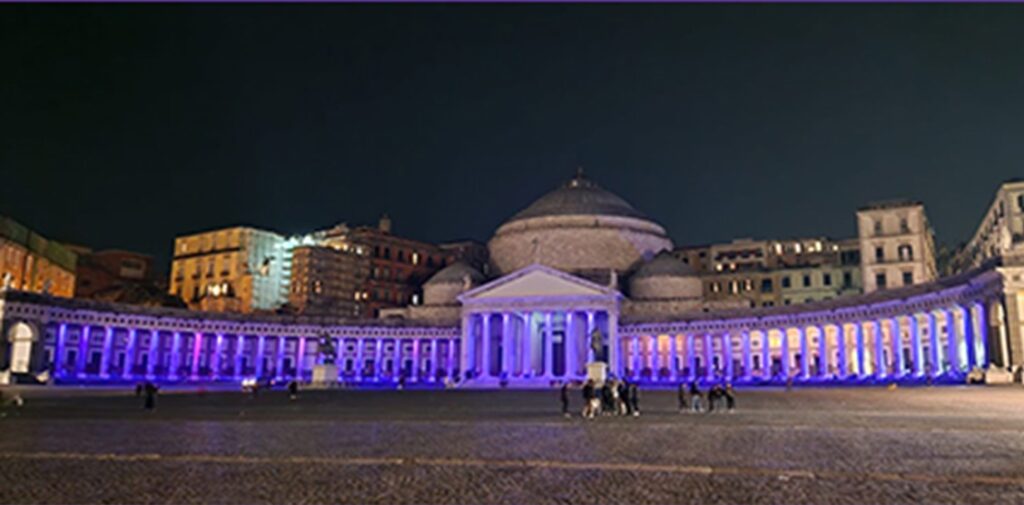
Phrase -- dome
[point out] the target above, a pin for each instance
(577, 228)
(579, 196)
(450, 282)
(664, 265)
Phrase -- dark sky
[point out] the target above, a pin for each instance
(123, 126)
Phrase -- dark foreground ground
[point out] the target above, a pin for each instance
(940, 445)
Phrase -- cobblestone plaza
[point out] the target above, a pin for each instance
(868, 445)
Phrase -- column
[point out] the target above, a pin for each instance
(396, 360)
(879, 355)
(83, 350)
(805, 359)
(466, 356)
(915, 343)
(215, 359)
(300, 358)
(673, 350)
(897, 346)
(588, 333)
(933, 342)
(154, 353)
(449, 367)
(261, 349)
(416, 359)
(614, 348)
(785, 354)
(486, 338)
(981, 355)
(129, 359)
(527, 357)
(507, 353)
(748, 360)
(709, 354)
(359, 367)
(571, 345)
(634, 342)
(691, 357)
(175, 355)
(58, 353)
(548, 347)
(239, 354)
(727, 356)
(843, 369)
(197, 347)
(433, 358)
(822, 352)
(952, 348)
(653, 352)
(861, 351)
(279, 357)
(378, 358)
(108, 349)
(766, 355)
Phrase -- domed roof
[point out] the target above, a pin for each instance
(664, 265)
(456, 273)
(579, 196)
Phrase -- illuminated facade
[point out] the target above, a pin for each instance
(897, 245)
(30, 262)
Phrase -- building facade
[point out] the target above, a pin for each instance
(1001, 233)
(328, 281)
(30, 262)
(897, 245)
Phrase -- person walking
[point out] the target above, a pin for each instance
(150, 390)
(624, 408)
(293, 390)
(634, 399)
(712, 398)
(695, 397)
(730, 398)
(683, 404)
(588, 400)
(607, 403)
(565, 400)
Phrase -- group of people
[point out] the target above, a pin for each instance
(691, 399)
(612, 397)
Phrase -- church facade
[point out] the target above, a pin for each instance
(579, 276)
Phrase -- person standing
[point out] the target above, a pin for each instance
(634, 399)
(730, 398)
(293, 390)
(150, 390)
(565, 400)
(682, 398)
(588, 399)
(695, 396)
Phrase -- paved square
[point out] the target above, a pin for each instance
(926, 445)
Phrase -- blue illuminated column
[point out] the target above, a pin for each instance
(614, 347)
(396, 361)
(586, 336)
(378, 358)
(218, 346)
(58, 354)
(486, 340)
(416, 358)
(467, 334)
(359, 367)
(843, 367)
(239, 353)
(709, 354)
(197, 348)
(279, 358)
(571, 345)
(730, 372)
(952, 348)
(936, 348)
(805, 362)
(549, 347)
(822, 351)
(652, 350)
(785, 353)
(449, 367)
(896, 341)
(154, 354)
(83, 350)
(108, 349)
(981, 355)
(861, 351)
(766, 355)
(129, 359)
(433, 358)
(637, 363)
(261, 349)
(527, 349)
(300, 363)
(175, 355)
(691, 357)
(748, 361)
(879, 346)
(915, 342)
(673, 349)
(506, 343)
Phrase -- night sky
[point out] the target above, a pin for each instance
(123, 126)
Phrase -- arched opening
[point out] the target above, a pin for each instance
(21, 336)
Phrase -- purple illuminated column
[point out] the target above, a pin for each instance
(879, 347)
(637, 358)
(359, 367)
(300, 361)
(766, 354)
(805, 362)
(952, 348)
(261, 349)
(218, 347)
(416, 359)
(843, 367)
(527, 350)
(935, 346)
(897, 346)
(785, 354)
(58, 353)
(655, 359)
(108, 349)
(396, 360)
(673, 349)
(506, 344)
(129, 359)
(691, 358)
(614, 347)
(175, 355)
(981, 355)
(83, 350)
(433, 358)
(968, 321)
(570, 345)
(822, 351)
(282, 343)
(378, 358)
(197, 350)
(587, 334)
(709, 353)
(727, 356)
(549, 347)
(861, 351)
(154, 354)
(748, 359)
(450, 366)
(486, 341)
(915, 342)
(239, 353)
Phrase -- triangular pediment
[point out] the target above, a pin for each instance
(537, 281)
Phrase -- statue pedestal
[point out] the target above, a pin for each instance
(325, 376)
(597, 371)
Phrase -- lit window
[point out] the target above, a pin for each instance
(415, 258)
(797, 247)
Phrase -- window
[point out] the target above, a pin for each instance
(807, 280)
(904, 226)
(826, 279)
(879, 254)
(880, 280)
(766, 285)
(847, 279)
(715, 287)
(1020, 202)
(878, 227)
(786, 301)
(908, 278)
(906, 252)
(785, 282)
